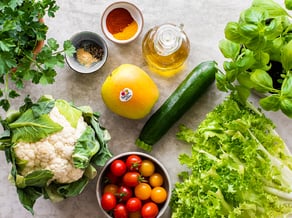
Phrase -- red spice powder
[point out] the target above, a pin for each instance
(118, 19)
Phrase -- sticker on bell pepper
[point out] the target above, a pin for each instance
(126, 94)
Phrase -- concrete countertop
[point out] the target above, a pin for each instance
(204, 22)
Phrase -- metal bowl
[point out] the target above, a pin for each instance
(158, 168)
(87, 39)
(135, 13)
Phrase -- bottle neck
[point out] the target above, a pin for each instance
(168, 39)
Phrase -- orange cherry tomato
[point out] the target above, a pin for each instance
(156, 179)
(143, 191)
(158, 195)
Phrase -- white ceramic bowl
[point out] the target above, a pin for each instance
(158, 168)
(135, 13)
(80, 39)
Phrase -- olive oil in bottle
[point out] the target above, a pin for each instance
(165, 49)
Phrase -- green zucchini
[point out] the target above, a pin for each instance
(185, 95)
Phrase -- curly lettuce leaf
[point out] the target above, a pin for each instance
(238, 166)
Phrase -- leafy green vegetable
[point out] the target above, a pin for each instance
(21, 29)
(259, 51)
(238, 167)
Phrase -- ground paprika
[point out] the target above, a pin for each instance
(121, 24)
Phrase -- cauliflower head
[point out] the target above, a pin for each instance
(53, 147)
(54, 152)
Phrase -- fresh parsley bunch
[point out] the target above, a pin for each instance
(21, 30)
(259, 51)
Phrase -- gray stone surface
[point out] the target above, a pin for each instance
(204, 22)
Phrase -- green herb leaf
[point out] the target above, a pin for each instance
(270, 103)
(286, 56)
(273, 8)
(262, 80)
(286, 106)
(229, 49)
(69, 48)
(288, 4)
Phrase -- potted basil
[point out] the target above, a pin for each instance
(259, 51)
(21, 30)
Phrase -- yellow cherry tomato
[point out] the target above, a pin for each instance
(158, 195)
(143, 191)
(136, 214)
(147, 168)
(156, 179)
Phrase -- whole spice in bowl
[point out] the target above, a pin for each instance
(89, 53)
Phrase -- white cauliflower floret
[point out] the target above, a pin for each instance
(54, 152)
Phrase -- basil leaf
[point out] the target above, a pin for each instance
(244, 80)
(232, 33)
(286, 106)
(229, 49)
(250, 30)
(246, 60)
(270, 103)
(288, 4)
(253, 16)
(27, 128)
(286, 56)
(287, 87)
(262, 80)
(273, 8)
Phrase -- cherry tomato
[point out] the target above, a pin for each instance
(133, 162)
(111, 188)
(149, 210)
(131, 179)
(147, 168)
(118, 167)
(143, 191)
(156, 179)
(108, 201)
(111, 178)
(158, 195)
(120, 211)
(134, 204)
(136, 214)
(124, 193)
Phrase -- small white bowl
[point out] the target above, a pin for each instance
(135, 13)
(87, 37)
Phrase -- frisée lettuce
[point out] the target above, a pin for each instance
(239, 166)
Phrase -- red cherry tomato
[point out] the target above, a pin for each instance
(131, 179)
(134, 204)
(108, 201)
(149, 210)
(120, 211)
(124, 193)
(133, 162)
(111, 178)
(118, 167)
